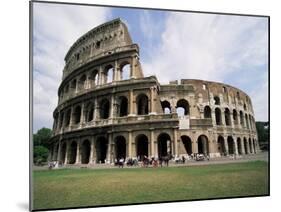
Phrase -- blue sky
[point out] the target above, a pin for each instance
(173, 45)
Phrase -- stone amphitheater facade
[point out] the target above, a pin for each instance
(107, 108)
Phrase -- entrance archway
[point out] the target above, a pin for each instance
(187, 144)
(203, 145)
(120, 147)
(239, 146)
(101, 149)
(246, 146)
(163, 144)
(73, 152)
(142, 146)
(221, 146)
(86, 150)
(230, 143)
(63, 152)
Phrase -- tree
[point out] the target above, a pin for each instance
(263, 134)
(41, 145)
(41, 138)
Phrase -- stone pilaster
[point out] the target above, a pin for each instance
(93, 151)
(152, 154)
(66, 153)
(176, 142)
(131, 103)
(108, 153)
(78, 156)
(226, 145)
(130, 144)
(235, 145)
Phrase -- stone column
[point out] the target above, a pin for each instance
(78, 156)
(213, 118)
(108, 153)
(248, 146)
(66, 153)
(235, 145)
(155, 143)
(242, 147)
(92, 153)
(194, 147)
(59, 152)
(238, 120)
(131, 103)
(71, 118)
(226, 145)
(222, 118)
(176, 142)
(116, 72)
(152, 154)
(112, 106)
(100, 76)
(152, 94)
(130, 144)
(76, 86)
(96, 111)
(132, 68)
(82, 117)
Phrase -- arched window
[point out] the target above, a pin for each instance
(77, 115)
(218, 116)
(217, 100)
(82, 82)
(73, 85)
(227, 117)
(207, 112)
(125, 70)
(108, 74)
(89, 112)
(123, 106)
(104, 109)
(93, 78)
(182, 107)
(67, 118)
(142, 104)
(235, 118)
(166, 107)
(241, 118)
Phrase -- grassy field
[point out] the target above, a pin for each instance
(90, 187)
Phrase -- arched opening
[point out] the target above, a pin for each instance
(123, 106)
(241, 118)
(61, 120)
(250, 146)
(86, 150)
(230, 143)
(125, 71)
(187, 144)
(239, 146)
(77, 115)
(73, 85)
(245, 107)
(142, 104)
(101, 149)
(104, 109)
(142, 146)
(227, 116)
(120, 147)
(254, 145)
(235, 118)
(164, 145)
(93, 78)
(67, 118)
(72, 152)
(89, 112)
(182, 108)
(221, 146)
(218, 116)
(108, 74)
(246, 146)
(82, 82)
(166, 107)
(217, 100)
(66, 89)
(203, 145)
(63, 152)
(207, 112)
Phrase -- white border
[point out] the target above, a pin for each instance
(14, 108)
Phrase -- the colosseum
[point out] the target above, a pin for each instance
(107, 108)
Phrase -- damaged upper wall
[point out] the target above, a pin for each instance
(105, 39)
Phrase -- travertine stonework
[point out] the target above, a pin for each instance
(108, 109)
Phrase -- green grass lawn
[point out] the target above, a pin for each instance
(91, 187)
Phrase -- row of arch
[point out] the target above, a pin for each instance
(101, 152)
(98, 76)
(103, 109)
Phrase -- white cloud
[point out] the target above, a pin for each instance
(56, 28)
(211, 47)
